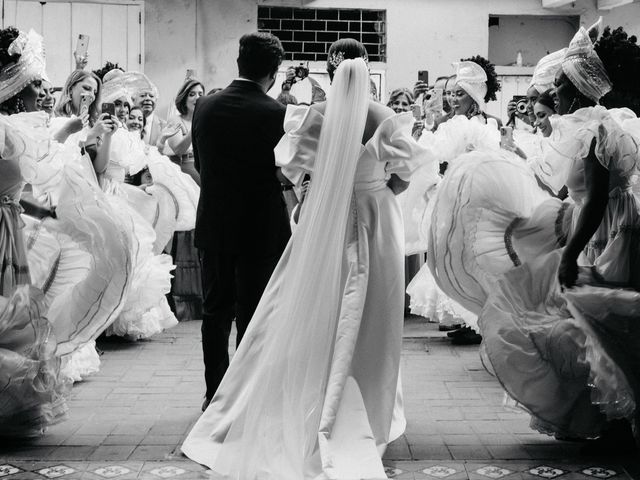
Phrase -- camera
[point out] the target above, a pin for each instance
(521, 104)
(302, 71)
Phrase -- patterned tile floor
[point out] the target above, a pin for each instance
(128, 421)
(423, 470)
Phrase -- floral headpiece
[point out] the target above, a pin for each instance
(30, 67)
(336, 59)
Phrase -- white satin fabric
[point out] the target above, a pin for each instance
(345, 372)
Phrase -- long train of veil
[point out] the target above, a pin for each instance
(264, 420)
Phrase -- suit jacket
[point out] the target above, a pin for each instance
(156, 129)
(241, 205)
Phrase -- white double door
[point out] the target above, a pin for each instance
(115, 29)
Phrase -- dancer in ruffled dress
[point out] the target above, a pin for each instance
(32, 393)
(469, 129)
(566, 318)
(83, 290)
(313, 390)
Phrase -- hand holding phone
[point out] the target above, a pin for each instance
(81, 54)
(109, 108)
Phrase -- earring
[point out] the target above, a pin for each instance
(473, 110)
(20, 105)
(575, 104)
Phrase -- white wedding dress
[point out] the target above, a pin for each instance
(314, 390)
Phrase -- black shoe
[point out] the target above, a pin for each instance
(468, 338)
(459, 332)
(616, 439)
(448, 328)
(205, 404)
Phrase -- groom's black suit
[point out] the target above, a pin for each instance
(242, 224)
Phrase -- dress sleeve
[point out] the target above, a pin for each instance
(616, 144)
(459, 135)
(128, 150)
(393, 144)
(296, 152)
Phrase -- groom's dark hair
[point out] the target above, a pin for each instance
(260, 55)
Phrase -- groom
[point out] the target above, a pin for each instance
(242, 225)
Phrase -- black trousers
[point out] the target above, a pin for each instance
(232, 284)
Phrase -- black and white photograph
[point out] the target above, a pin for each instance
(319, 239)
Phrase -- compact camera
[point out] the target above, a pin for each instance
(521, 104)
(302, 71)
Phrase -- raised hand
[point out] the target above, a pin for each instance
(419, 88)
(81, 60)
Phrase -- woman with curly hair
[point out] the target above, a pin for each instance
(476, 84)
(470, 128)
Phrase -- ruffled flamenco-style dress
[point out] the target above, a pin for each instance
(570, 358)
(305, 399)
(445, 145)
(32, 394)
(82, 260)
(145, 311)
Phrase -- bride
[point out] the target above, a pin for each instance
(313, 390)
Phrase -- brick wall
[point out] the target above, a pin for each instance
(307, 33)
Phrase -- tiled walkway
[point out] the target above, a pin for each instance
(128, 421)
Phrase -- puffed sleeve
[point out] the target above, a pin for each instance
(616, 145)
(127, 150)
(296, 152)
(393, 144)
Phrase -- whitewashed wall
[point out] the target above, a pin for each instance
(421, 34)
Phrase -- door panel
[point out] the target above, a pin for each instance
(59, 52)
(114, 29)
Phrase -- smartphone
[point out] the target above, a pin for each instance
(83, 45)
(506, 137)
(86, 99)
(423, 76)
(191, 73)
(109, 108)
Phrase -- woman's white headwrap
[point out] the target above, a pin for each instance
(30, 67)
(472, 78)
(546, 69)
(584, 68)
(114, 87)
(137, 83)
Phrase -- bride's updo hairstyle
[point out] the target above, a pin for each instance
(620, 55)
(346, 48)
